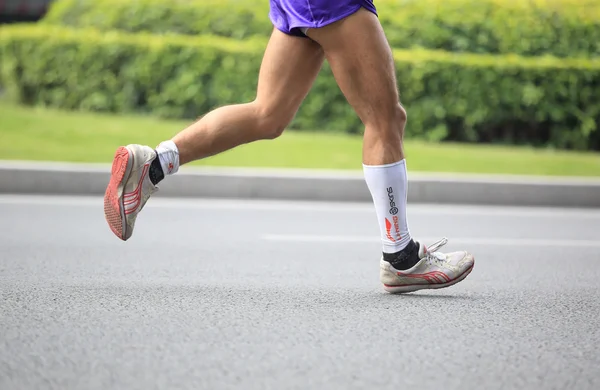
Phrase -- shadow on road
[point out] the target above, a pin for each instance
(420, 295)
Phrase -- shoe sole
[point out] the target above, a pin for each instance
(114, 209)
(433, 286)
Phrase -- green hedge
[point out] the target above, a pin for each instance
(448, 96)
(229, 18)
(564, 28)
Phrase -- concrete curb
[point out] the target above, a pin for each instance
(19, 177)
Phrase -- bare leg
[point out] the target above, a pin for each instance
(289, 68)
(363, 66)
(362, 62)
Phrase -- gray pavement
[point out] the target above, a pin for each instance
(224, 294)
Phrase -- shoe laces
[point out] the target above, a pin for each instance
(432, 254)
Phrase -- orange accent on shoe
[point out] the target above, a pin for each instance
(112, 204)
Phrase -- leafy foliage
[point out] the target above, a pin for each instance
(563, 28)
(448, 96)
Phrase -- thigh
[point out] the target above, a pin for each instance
(362, 63)
(288, 70)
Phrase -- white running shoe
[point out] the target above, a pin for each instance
(129, 188)
(434, 270)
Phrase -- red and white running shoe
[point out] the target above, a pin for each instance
(129, 188)
(434, 270)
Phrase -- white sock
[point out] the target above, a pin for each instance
(169, 157)
(388, 185)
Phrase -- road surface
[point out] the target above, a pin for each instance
(234, 294)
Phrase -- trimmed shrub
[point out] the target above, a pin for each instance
(563, 28)
(228, 18)
(540, 101)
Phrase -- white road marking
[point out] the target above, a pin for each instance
(288, 206)
(532, 242)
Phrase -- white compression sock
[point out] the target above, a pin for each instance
(388, 185)
(169, 157)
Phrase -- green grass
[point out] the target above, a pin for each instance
(43, 134)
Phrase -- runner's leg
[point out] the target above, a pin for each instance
(362, 63)
(288, 70)
(361, 60)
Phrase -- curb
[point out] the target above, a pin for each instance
(20, 177)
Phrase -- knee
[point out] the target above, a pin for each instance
(395, 121)
(272, 121)
(400, 117)
(272, 128)
(390, 122)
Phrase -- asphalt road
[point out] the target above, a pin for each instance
(269, 295)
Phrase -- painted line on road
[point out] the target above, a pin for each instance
(279, 205)
(462, 240)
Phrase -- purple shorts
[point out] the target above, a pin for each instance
(294, 17)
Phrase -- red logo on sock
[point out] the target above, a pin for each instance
(388, 229)
(171, 167)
